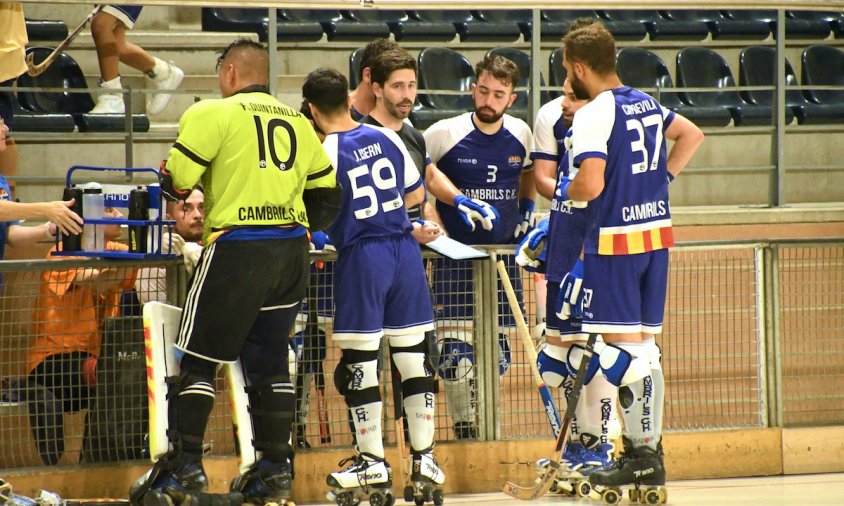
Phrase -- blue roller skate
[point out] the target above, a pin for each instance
(173, 480)
(265, 482)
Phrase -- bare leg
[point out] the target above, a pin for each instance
(103, 28)
(131, 54)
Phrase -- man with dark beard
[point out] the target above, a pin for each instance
(486, 153)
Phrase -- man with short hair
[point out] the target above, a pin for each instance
(266, 178)
(381, 288)
(363, 99)
(486, 154)
(619, 145)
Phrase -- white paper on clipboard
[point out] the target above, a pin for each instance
(455, 250)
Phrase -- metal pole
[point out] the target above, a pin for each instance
(776, 194)
(535, 55)
(272, 44)
(128, 144)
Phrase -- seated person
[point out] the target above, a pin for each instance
(67, 323)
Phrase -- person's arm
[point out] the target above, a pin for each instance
(527, 185)
(415, 197)
(18, 235)
(589, 182)
(57, 212)
(102, 280)
(687, 139)
(439, 185)
(545, 177)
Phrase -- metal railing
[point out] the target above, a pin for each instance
(752, 338)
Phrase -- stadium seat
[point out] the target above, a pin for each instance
(28, 121)
(835, 19)
(557, 72)
(623, 29)
(65, 73)
(406, 26)
(555, 23)
(522, 18)
(442, 69)
(721, 27)
(522, 60)
(291, 29)
(42, 29)
(354, 63)
(470, 28)
(215, 19)
(794, 28)
(645, 70)
(699, 67)
(659, 27)
(823, 65)
(757, 67)
(334, 24)
(380, 22)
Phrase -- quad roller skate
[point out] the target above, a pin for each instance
(171, 481)
(640, 467)
(426, 479)
(367, 476)
(577, 464)
(266, 483)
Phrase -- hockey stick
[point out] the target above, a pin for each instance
(36, 70)
(398, 412)
(530, 351)
(317, 346)
(544, 482)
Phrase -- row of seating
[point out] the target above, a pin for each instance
(507, 25)
(696, 67)
(64, 111)
(44, 30)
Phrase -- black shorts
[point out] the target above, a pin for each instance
(234, 283)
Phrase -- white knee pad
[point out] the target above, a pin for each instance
(619, 365)
(551, 361)
(653, 353)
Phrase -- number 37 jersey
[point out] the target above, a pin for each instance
(375, 171)
(626, 128)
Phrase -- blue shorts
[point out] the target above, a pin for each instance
(554, 327)
(127, 14)
(625, 293)
(454, 290)
(380, 287)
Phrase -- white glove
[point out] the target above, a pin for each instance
(475, 209)
(171, 243)
(191, 253)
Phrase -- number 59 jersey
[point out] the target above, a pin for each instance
(375, 171)
(626, 128)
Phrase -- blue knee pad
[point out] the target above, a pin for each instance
(553, 371)
(457, 358)
(574, 357)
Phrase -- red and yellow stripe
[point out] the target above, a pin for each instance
(640, 241)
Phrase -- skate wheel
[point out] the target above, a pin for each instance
(653, 496)
(612, 496)
(408, 494)
(156, 498)
(378, 499)
(634, 494)
(418, 501)
(583, 488)
(346, 499)
(390, 499)
(438, 497)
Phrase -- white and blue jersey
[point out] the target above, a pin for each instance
(127, 14)
(375, 170)
(626, 127)
(380, 284)
(481, 166)
(549, 130)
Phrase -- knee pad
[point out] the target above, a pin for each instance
(356, 377)
(654, 354)
(504, 357)
(619, 366)
(414, 368)
(575, 357)
(457, 359)
(551, 368)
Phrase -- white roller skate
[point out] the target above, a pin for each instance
(426, 478)
(367, 476)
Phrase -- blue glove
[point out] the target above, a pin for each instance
(562, 194)
(526, 212)
(531, 252)
(474, 209)
(321, 242)
(570, 299)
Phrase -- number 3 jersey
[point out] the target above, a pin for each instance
(375, 171)
(481, 166)
(626, 128)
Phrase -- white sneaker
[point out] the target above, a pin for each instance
(109, 103)
(168, 78)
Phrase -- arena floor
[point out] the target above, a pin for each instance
(802, 490)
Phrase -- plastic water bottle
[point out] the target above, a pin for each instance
(93, 208)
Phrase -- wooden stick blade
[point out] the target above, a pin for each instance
(539, 488)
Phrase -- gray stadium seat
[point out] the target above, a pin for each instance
(823, 65)
(442, 69)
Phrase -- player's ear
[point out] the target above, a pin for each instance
(366, 75)
(377, 90)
